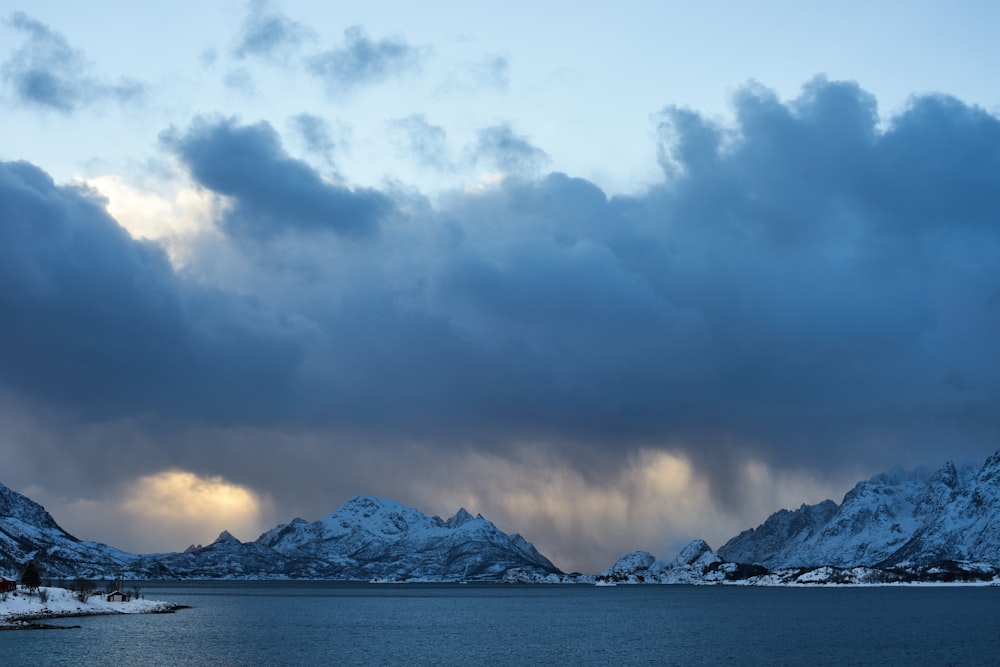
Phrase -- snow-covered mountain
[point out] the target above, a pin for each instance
(893, 520)
(695, 563)
(896, 526)
(28, 532)
(366, 538)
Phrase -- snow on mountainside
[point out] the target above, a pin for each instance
(896, 526)
(371, 537)
(366, 538)
(696, 563)
(895, 519)
(28, 532)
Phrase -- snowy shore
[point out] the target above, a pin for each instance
(21, 609)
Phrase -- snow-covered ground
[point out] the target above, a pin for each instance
(20, 606)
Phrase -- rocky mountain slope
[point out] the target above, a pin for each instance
(894, 519)
(28, 532)
(896, 526)
(696, 563)
(366, 538)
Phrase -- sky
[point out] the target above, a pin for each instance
(614, 277)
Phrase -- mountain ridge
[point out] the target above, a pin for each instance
(366, 538)
(894, 519)
(897, 525)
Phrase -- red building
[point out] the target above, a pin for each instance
(117, 596)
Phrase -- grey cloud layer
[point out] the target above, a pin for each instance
(358, 61)
(47, 72)
(100, 323)
(424, 141)
(267, 33)
(509, 152)
(362, 60)
(270, 191)
(801, 285)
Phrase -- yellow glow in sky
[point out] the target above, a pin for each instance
(176, 500)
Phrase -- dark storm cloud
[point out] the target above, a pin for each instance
(270, 191)
(425, 142)
(269, 34)
(802, 285)
(363, 61)
(804, 288)
(838, 269)
(47, 72)
(511, 153)
(96, 321)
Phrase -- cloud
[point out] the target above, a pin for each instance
(241, 81)
(94, 320)
(176, 500)
(172, 218)
(488, 73)
(269, 34)
(270, 191)
(808, 293)
(47, 72)
(163, 511)
(425, 142)
(511, 153)
(656, 501)
(363, 61)
(318, 136)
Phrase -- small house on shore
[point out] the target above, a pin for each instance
(117, 596)
(7, 585)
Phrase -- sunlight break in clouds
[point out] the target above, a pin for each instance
(657, 503)
(172, 219)
(177, 502)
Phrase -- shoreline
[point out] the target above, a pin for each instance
(21, 610)
(28, 621)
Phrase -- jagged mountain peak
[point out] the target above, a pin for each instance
(990, 472)
(367, 532)
(694, 550)
(461, 517)
(225, 537)
(947, 475)
(366, 503)
(634, 561)
(380, 517)
(365, 538)
(20, 507)
(898, 475)
(693, 564)
(28, 532)
(901, 517)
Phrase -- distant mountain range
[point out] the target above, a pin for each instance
(365, 539)
(896, 526)
(895, 519)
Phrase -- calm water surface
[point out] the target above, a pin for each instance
(321, 623)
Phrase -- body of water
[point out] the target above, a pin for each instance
(325, 623)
